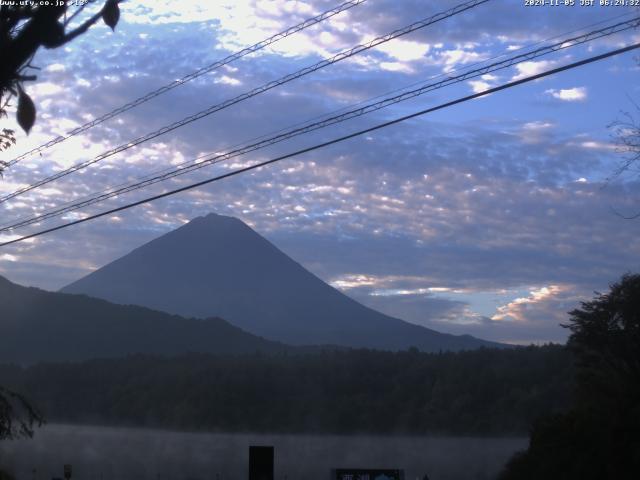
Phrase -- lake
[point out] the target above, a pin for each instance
(100, 453)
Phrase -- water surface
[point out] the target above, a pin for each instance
(124, 454)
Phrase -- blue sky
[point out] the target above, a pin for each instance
(494, 217)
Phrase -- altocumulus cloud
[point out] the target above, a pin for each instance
(576, 94)
(485, 219)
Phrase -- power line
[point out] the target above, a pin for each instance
(192, 76)
(187, 167)
(331, 142)
(125, 187)
(263, 88)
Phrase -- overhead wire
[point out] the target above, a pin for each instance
(488, 91)
(192, 76)
(202, 162)
(252, 93)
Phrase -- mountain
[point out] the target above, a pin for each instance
(43, 326)
(219, 266)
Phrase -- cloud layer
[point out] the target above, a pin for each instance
(492, 218)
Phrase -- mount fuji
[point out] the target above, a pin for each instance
(217, 266)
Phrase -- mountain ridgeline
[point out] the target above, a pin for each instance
(217, 266)
(43, 326)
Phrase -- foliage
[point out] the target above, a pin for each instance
(487, 391)
(60, 327)
(626, 135)
(17, 416)
(24, 28)
(606, 340)
(599, 437)
(7, 139)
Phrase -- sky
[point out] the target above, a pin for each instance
(494, 217)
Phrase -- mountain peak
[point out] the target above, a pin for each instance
(215, 218)
(212, 223)
(217, 265)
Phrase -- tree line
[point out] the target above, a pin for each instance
(486, 391)
(598, 436)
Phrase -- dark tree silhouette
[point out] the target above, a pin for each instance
(606, 341)
(7, 139)
(600, 436)
(17, 416)
(24, 28)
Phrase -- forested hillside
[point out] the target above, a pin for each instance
(476, 392)
(39, 326)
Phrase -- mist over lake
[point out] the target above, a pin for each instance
(117, 453)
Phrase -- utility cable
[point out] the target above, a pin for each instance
(192, 76)
(263, 88)
(330, 142)
(202, 162)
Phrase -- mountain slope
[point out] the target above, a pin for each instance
(217, 265)
(42, 326)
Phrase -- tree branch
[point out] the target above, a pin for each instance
(76, 32)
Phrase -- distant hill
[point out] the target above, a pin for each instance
(218, 266)
(42, 326)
